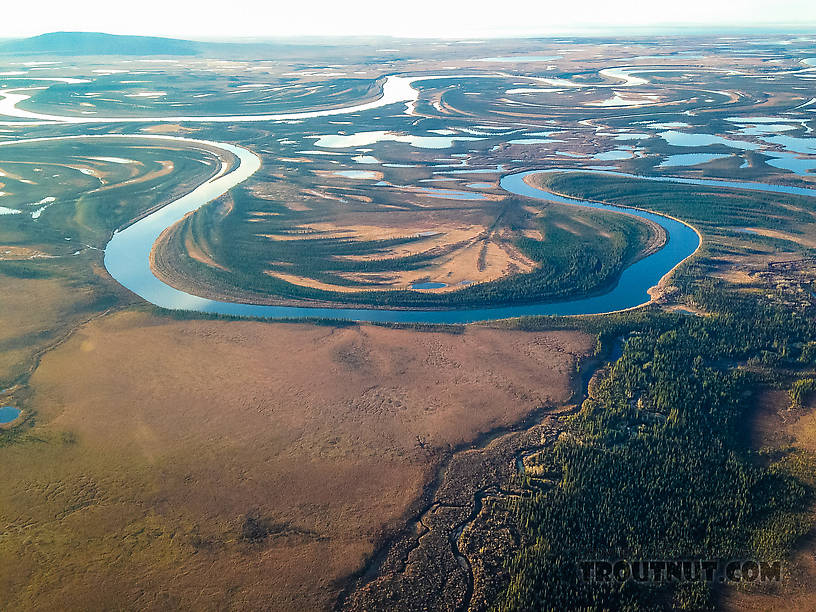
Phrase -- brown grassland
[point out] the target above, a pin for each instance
(26, 330)
(779, 426)
(244, 465)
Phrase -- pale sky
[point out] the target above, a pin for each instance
(419, 18)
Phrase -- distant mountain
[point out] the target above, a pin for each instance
(96, 43)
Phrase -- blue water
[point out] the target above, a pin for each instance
(127, 260)
(356, 174)
(613, 155)
(127, 256)
(428, 285)
(451, 194)
(766, 128)
(792, 143)
(684, 139)
(791, 162)
(8, 414)
(568, 154)
(691, 159)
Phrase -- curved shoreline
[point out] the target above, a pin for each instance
(127, 255)
(127, 258)
(637, 208)
(395, 89)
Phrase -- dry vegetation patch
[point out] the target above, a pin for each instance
(209, 464)
(32, 311)
(779, 425)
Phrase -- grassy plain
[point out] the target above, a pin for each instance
(779, 428)
(72, 195)
(25, 330)
(215, 464)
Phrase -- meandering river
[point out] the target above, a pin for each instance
(127, 255)
(127, 258)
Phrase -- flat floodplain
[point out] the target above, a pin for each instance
(326, 437)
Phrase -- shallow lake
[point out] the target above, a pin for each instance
(451, 194)
(613, 155)
(685, 139)
(790, 161)
(8, 414)
(356, 174)
(792, 143)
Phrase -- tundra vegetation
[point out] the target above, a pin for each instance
(190, 461)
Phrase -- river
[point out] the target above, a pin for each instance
(127, 255)
(127, 258)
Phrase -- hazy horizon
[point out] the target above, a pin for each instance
(252, 19)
